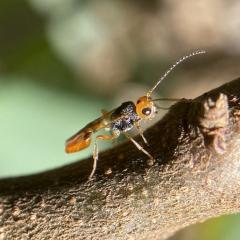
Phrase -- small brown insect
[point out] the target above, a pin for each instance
(121, 120)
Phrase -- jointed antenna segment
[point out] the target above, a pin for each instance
(198, 52)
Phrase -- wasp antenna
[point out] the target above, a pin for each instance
(182, 59)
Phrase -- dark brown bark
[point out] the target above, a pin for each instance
(196, 176)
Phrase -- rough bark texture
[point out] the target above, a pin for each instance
(196, 176)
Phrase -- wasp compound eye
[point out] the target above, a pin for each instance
(146, 111)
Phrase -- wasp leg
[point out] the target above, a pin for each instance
(95, 150)
(151, 159)
(95, 159)
(141, 133)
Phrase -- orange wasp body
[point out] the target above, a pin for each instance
(120, 120)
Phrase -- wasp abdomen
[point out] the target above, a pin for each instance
(79, 141)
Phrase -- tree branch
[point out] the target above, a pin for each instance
(196, 176)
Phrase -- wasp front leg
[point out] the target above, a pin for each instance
(141, 133)
(139, 147)
(95, 149)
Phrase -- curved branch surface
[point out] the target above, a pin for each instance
(196, 176)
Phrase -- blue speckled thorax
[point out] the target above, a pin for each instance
(124, 117)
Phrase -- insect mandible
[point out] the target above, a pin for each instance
(122, 119)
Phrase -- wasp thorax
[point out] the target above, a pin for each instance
(145, 108)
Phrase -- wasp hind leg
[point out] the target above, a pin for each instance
(95, 150)
(139, 147)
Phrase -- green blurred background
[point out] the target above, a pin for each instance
(62, 61)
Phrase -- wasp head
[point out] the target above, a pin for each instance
(145, 108)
